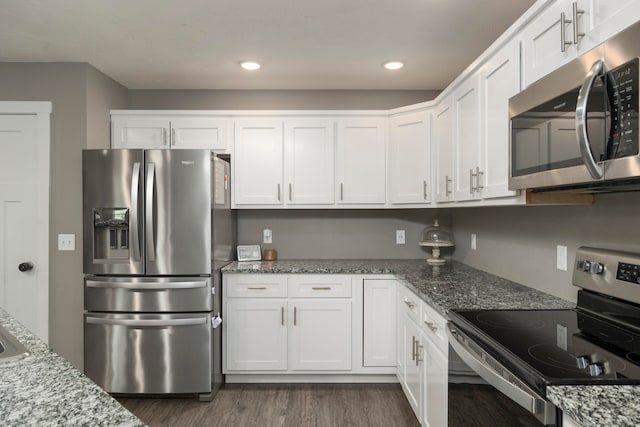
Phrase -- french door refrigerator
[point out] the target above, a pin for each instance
(157, 229)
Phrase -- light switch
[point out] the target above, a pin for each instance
(561, 262)
(400, 237)
(66, 242)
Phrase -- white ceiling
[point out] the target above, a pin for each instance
(302, 44)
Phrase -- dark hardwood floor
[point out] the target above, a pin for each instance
(247, 405)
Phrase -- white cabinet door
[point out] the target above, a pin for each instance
(466, 104)
(201, 133)
(379, 342)
(412, 371)
(410, 158)
(500, 80)
(435, 399)
(443, 139)
(602, 19)
(255, 335)
(320, 337)
(309, 160)
(542, 49)
(258, 163)
(361, 161)
(140, 132)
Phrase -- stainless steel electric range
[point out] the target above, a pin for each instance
(521, 352)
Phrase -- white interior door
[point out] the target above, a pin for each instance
(24, 228)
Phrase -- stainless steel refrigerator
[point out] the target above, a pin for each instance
(157, 229)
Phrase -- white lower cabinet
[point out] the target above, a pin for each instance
(256, 334)
(307, 323)
(423, 358)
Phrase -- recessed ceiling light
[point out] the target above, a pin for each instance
(393, 65)
(250, 65)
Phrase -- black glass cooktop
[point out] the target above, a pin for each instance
(556, 346)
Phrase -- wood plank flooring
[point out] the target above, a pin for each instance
(287, 405)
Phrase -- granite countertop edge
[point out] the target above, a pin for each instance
(44, 389)
(459, 286)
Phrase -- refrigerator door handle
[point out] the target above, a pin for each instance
(146, 322)
(151, 177)
(135, 194)
(146, 286)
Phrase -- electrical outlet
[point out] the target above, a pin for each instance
(267, 236)
(561, 255)
(473, 241)
(66, 242)
(400, 237)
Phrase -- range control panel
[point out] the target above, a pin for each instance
(628, 272)
(609, 272)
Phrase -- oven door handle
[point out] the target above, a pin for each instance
(522, 394)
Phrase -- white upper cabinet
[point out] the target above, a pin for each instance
(309, 162)
(466, 104)
(566, 29)
(444, 146)
(258, 162)
(500, 80)
(410, 158)
(140, 132)
(361, 161)
(171, 131)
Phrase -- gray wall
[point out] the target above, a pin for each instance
(103, 94)
(519, 243)
(276, 99)
(355, 234)
(74, 96)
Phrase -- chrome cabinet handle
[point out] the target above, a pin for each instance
(581, 120)
(419, 348)
(341, 191)
(479, 173)
(431, 326)
(471, 187)
(135, 194)
(409, 303)
(413, 348)
(173, 137)
(563, 36)
(257, 288)
(424, 189)
(290, 192)
(279, 192)
(321, 288)
(164, 136)
(446, 185)
(576, 12)
(295, 316)
(282, 316)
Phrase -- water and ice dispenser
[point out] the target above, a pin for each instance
(110, 234)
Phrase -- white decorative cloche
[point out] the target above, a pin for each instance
(436, 236)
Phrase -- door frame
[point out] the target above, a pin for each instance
(42, 111)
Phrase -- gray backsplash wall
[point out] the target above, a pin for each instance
(519, 243)
(326, 234)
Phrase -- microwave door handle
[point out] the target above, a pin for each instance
(581, 121)
(151, 177)
(135, 194)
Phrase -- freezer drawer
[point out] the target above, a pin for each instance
(149, 353)
(147, 294)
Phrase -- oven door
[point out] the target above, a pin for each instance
(497, 376)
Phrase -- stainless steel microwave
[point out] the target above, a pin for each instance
(577, 128)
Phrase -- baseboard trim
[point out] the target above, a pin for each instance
(316, 379)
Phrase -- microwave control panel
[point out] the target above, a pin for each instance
(623, 88)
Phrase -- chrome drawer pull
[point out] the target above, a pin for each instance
(409, 303)
(321, 288)
(431, 326)
(257, 288)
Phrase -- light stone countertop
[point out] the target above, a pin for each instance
(458, 286)
(43, 389)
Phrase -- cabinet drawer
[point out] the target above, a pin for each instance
(320, 286)
(433, 324)
(255, 285)
(409, 303)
